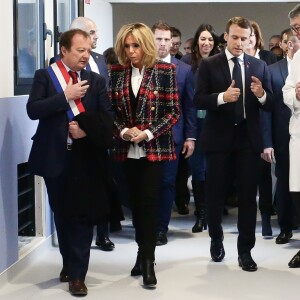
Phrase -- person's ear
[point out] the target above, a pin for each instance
(225, 36)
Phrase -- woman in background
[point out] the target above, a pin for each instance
(204, 45)
(256, 48)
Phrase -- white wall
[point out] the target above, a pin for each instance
(6, 57)
(16, 130)
(100, 11)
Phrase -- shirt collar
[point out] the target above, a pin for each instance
(136, 71)
(230, 56)
(68, 69)
(167, 59)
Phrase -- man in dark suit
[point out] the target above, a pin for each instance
(98, 65)
(184, 131)
(232, 87)
(277, 138)
(71, 153)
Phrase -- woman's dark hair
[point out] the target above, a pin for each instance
(110, 56)
(195, 55)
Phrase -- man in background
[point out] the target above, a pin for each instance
(176, 43)
(184, 131)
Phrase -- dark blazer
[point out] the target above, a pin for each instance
(100, 61)
(186, 126)
(157, 109)
(48, 153)
(267, 56)
(276, 133)
(213, 77)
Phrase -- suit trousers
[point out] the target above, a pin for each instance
(284, 202)
(74, 237)
(167, 190)
(265, 203)
(144, 179)
(244, 161)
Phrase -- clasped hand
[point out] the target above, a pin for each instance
(77, 90)
(75, 131)
(134, 135)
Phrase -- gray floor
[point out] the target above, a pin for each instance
(183, 267)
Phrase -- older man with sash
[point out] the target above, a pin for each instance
(70, 151)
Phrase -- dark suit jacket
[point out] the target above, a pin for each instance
(157, 109)
(100, 61)
(276, 133)
(86, 166)
(48, 153)
(267, 56)
(213, 77)
(186, 126)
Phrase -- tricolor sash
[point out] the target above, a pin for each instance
(60, 78)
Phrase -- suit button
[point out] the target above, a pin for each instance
(152, 108)
(155, 92)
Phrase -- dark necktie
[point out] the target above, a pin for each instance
(237, 77)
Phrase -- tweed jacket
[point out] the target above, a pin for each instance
(157, 109)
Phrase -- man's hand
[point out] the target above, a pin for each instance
(268, 155)
(297, 91)
(188, 148)
(75, 131)
(232, 94)
(77, 90)
(256, 87)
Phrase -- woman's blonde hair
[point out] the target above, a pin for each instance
(143, 36)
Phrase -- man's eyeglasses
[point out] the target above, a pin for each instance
(177, 44)
(295, 28)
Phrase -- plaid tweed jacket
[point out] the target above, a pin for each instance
(157, 109)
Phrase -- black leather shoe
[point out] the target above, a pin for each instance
(183, 210)
(136, 270)
(63, 276)
(77, 288)
(161, 239)
(149, 279)
(217, 251)
(295, 261)
(105, 244)
(199, 226)
(284, 237)
(247, 263)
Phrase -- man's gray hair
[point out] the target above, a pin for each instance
(81, 23)
(295, 12)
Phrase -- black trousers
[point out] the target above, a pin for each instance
(245, 162)
(74, 237)
(265, 203)
(284, 202)
(144, 181)
(182, 194)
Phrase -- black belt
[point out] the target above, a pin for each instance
(69, 147)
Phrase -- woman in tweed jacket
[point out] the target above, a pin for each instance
(144, 96)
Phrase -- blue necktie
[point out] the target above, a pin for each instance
(237, 77)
